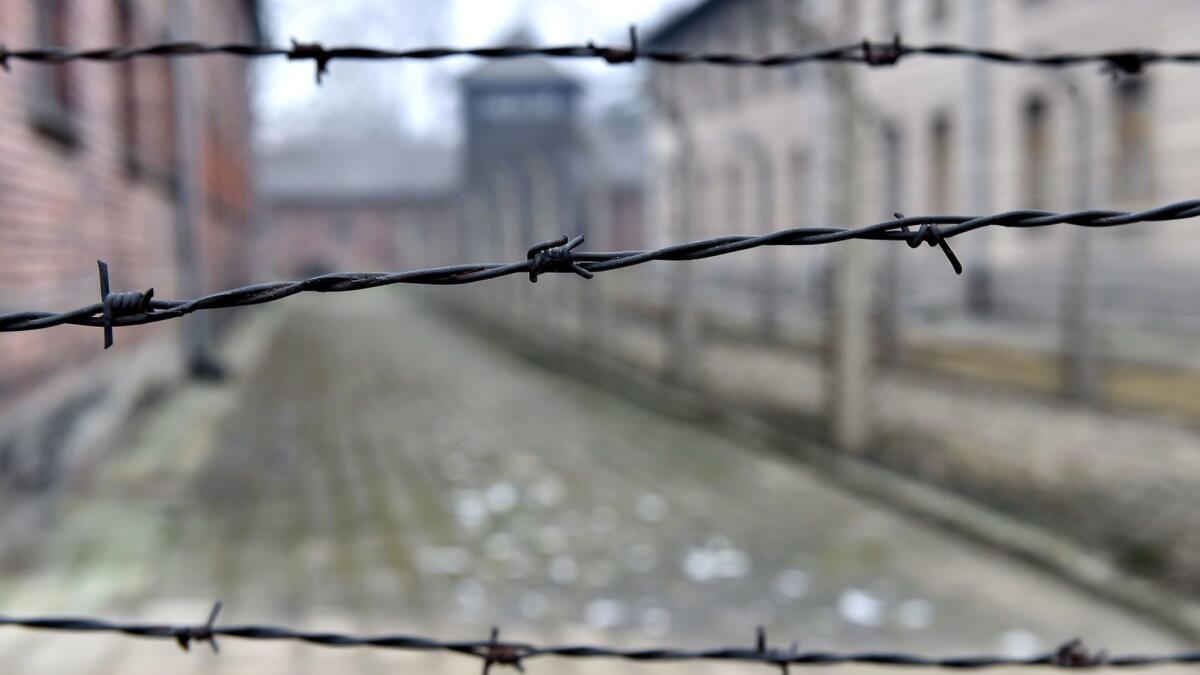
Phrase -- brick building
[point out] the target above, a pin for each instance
(89, 169)
(364, 202)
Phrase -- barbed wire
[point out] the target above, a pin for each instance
(493, 651)
(560, 256)
(1128, 61)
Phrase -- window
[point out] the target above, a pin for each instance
(1134, 166)
(940, 160)
(53, 97)
(127, 87)
(939, 10)
(1035, 145)
(521, 107)
(893, 168)
(735, 201)
(800, 178)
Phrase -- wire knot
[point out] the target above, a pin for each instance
(882, 53)
(617, 56)
(116, 305)
(184, 635)
(311, 50)
(931, 234)
(4, 58)
(1125, 63)
(555, 256)
(1073, 654)
(498, 653)
(777, 657)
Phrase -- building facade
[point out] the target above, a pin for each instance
(757, 149)
(90, 168)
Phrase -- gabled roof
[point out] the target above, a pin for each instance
(680, 21)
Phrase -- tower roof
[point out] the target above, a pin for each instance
(519, 69)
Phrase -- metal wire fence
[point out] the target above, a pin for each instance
(560, 256)
(493, 651)
(867, 52)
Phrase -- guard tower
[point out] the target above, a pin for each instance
(513, 106)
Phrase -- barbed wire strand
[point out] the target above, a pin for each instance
(493, 651)
(1127, 61)
(561, 256)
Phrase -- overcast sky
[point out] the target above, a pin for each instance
(418, 97)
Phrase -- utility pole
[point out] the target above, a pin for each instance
(683, 330)
(849, 333)
(849, 324)
(197, 334)
(1080, 362)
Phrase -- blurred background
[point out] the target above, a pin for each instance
(848, 445)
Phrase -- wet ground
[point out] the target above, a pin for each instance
(372, 468)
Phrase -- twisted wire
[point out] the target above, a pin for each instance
(493, 651)
(1130, 61)
(560, 256)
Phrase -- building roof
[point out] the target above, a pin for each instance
(519, 70)
(390, 169)
(680, 20)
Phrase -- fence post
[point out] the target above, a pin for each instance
(197, 332)
(849, 332)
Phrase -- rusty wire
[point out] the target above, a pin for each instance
(1127, 61)
(561, 256)
(493, 651)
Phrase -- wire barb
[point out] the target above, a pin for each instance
(184, 635)
(614, 56)
(931, 234)
(116, 305)
(882, 54)
(1074, 654)
(4, 58)
(1127, 63)
(311, 50)
(555, 256)
(498, 653)
(774, 656)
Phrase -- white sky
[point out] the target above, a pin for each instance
(420, 95)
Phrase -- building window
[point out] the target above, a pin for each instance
(893, 167)
(53, 97)
(735, 204)
(1133, 171)
(521, 107)
(940, 161)
(1035, 145)
(800, 177)
(939, 11)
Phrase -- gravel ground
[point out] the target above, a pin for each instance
(374, 468)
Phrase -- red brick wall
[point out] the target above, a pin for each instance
(65, 205)
(354, 236)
